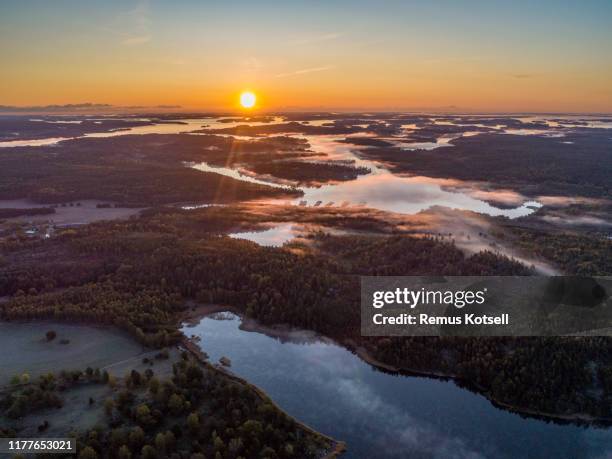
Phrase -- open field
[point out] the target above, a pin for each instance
(72, 213)
(79, 389)
(25, 349)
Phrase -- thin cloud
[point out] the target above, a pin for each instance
(53, 108)
(132, 26)
(87, 107)
(133, 41)
(304, 71)
(446, 60)
(175, 61)
(317, 39)
(523, 76)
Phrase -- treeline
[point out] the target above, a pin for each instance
(578, 254)
(148, 314)
(406, 256)
(535, 165)
(558, 376)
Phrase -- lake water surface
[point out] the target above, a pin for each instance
(385, 415)
(380, 189)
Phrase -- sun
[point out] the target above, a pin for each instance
(248, 99)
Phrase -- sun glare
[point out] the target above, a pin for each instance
(248, 99)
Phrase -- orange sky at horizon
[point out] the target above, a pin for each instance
(387, 95)
(403, 56)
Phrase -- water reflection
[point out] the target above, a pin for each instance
(32, 143)
(271, 237)
(381, 189)
(386, 191)
(384, 415)
(236, 174)
(181, 126)
(407, 195)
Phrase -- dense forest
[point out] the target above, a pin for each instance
(580, 254)
(308, 172)
(121, 271)
(138, 275)
(133, 177)
(533, 165)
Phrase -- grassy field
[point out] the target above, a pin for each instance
(25, 349)
(85, 212)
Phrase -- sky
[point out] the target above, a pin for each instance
(465, 56)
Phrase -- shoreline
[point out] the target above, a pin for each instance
(187, 343)
(282, 333)
(364, 355)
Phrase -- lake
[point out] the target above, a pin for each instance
(380, 189)
(386, 415)
(383, 190)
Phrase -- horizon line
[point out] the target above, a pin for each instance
(107, 109)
